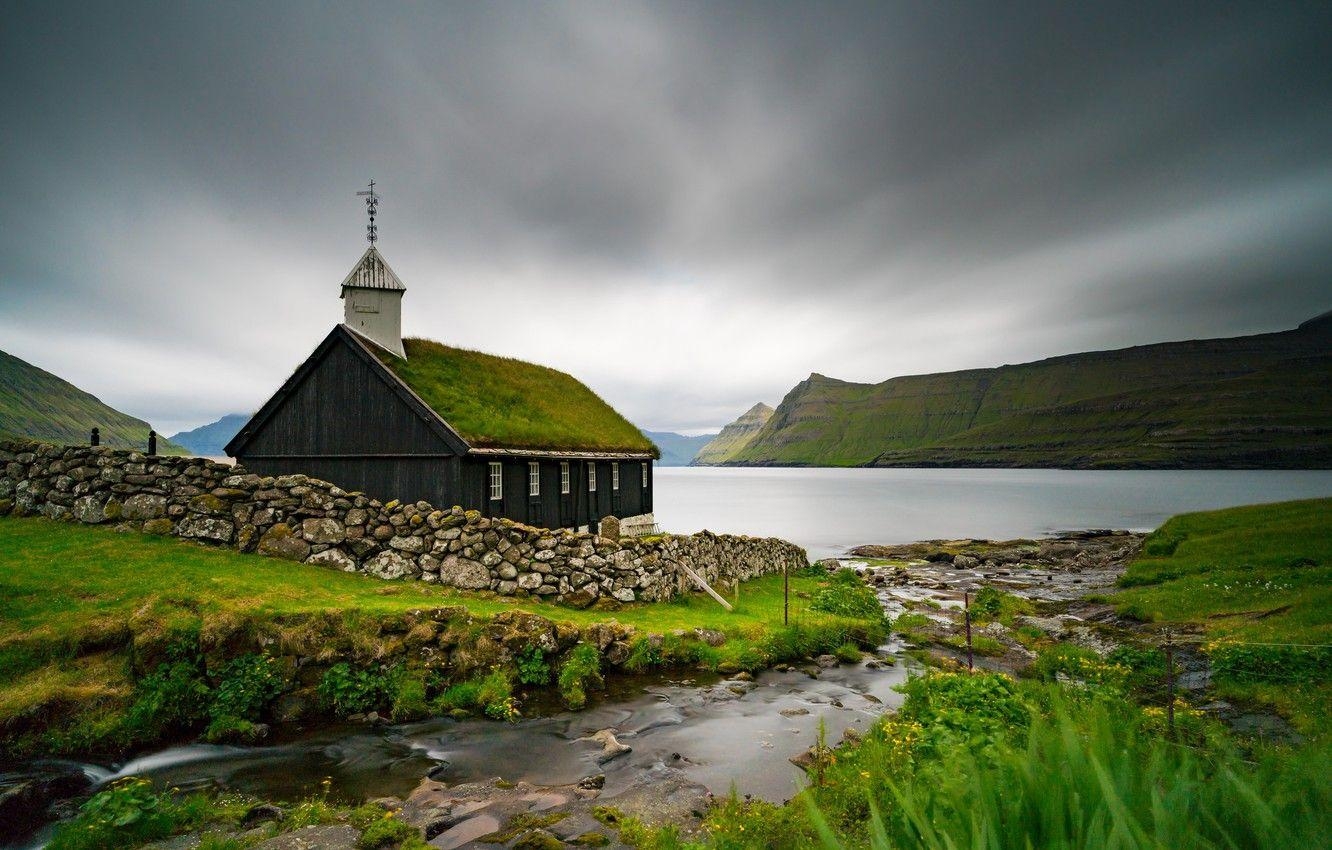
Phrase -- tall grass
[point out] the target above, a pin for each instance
(1101, 783)
(1034, 766)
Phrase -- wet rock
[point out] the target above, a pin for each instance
(261, 813)
(711, 637)
(594, 782)
(794, 712)
(827, 661)
(610, 745)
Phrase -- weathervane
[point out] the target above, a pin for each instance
(371, 206)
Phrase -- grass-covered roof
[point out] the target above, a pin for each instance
(499, 402)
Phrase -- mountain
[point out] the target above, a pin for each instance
(1260, 401)
(209, 440)
(734, 437)
(34, 403)
(677, 449)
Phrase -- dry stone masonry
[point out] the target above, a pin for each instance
(314, 522)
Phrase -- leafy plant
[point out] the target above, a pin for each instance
(247, 685)
(126, 814)
(532, 666)
(643, 655)
(348, 690)
(495, 695)
(847, 598)
(581, 670)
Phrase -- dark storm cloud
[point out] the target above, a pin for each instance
(691, 206)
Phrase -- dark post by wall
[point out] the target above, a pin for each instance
(315, 522)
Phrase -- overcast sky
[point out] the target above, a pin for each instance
(690, 206)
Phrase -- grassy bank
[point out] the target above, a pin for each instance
(1252, 587)
(980, 760)
(94, 623)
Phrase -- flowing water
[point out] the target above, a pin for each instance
(720, 733)
(829, 510)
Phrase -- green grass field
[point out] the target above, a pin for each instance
(75, 600)
(1257, 582)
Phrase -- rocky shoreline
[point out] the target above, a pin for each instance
(1061, 581)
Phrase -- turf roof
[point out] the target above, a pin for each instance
(499, 402)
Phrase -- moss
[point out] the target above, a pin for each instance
(498, 401)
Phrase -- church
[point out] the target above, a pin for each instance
(413, 419)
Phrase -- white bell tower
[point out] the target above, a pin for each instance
(372, 293)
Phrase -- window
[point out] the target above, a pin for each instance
(564, 478)
(533, 478)
(615, 476)
(643, 467)
(496, 481)
(592, 478)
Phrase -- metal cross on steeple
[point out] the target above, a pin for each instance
(371, 206)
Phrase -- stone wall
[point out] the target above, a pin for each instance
(312, 521)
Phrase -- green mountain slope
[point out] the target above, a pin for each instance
(34, 403)
(1256, 401)
(734, 437)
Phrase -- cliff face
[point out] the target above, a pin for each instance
(1257, 401)
(734, 437)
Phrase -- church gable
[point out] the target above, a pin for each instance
(341, 401)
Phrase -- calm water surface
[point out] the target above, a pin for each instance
(829, 510)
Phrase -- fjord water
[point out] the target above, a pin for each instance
(830, 510)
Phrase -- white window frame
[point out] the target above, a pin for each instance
(564, 478)
(615, 476)
(591, 476)
(496, 478)
(643, 467)
(533, 478)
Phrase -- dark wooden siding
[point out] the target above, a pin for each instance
(344, 407)
(552, 509)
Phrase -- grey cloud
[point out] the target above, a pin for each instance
(691, 205)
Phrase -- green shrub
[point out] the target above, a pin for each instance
(386, 831)
(495, 695)
(847, 600)
(409, 696)
(246, 687)
(644, 654)
(986, 604)
(848, 652)
(174, 697)
(349, 690)
(1079, 664)
(532, 666)
(126, 814)
(581, 670)
(1143, 669)
(465, 696)
(975, 706)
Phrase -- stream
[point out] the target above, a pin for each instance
(719, 732)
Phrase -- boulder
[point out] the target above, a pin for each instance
(281, 542)
(463, 573)
(323, 530)
(334, 558)
(206, 528)
(142, 506)
(391, 565)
